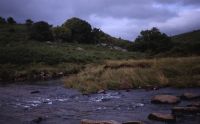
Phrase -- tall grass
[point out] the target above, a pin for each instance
(126, 74)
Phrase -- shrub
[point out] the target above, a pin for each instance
(10, 20)
(41, 31)
(152, 41)
(62, 34)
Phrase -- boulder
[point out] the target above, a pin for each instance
(162, 117)
(194, 104)
(34, 92)
(133, 122)
(189, 96)
(165, 99)
(86, 121)
(38, 120)
(185, 110)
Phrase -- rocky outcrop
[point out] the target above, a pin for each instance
(190, 96)
(162, 117)
(185, 110)
(165, 99)
(86, 121)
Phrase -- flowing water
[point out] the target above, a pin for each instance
(57, 105)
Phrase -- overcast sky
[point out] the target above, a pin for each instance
(120, 18)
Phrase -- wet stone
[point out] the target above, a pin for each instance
(195, 104)
(86, 121)
(185, 110)
(162, 117)
(133, 122)
(34, 92)
(190, 96)
(165, 99)
(38, 120)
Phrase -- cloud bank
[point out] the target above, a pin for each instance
(120, 18)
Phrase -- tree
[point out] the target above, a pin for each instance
(29, 22)
(62, 34)
(2, 20)
(80, 29)
(41, 31)
(10, 20)
(152, 41)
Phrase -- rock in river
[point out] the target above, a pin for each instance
(133, 122)
(185, 110)
(195, 104)
(162, 117)
(165, 99)
(189, 96)
(86, 121)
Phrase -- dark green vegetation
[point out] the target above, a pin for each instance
(39, 51)
(30, 49)
(155, 43)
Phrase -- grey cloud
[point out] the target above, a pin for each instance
(121, 18)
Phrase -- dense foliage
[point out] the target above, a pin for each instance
(10, 20)
(152, 41)
(80, 29)
(41, 31)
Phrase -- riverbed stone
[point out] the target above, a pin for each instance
(190, 96)
(195, 104)
(86, 121)
(162, 117)
(165, 99)
(185, 110)
(133, 122)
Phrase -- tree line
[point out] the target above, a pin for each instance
(75, 30)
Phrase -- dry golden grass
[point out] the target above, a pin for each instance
(126, 74)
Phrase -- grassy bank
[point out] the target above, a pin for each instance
(24, 59)
(126, 74)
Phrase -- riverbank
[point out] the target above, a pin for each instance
(133, 74)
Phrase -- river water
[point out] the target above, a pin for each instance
(57, 105)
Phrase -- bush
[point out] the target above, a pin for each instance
(62, 34)
(10, 20)
(41, 31)
(152, 41)
(2, 20)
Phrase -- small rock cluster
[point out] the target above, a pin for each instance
(191, 109)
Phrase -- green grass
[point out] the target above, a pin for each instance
(27, 58)
(193, 36)
(127, 74)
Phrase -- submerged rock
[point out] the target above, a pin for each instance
(86, 121)
(165, 99)
(34, 92)
(133, 122)
(185, 110)
(194, 104)
(189, 96)
(162, 117)
(38, 120)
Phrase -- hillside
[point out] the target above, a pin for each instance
(193, 36)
